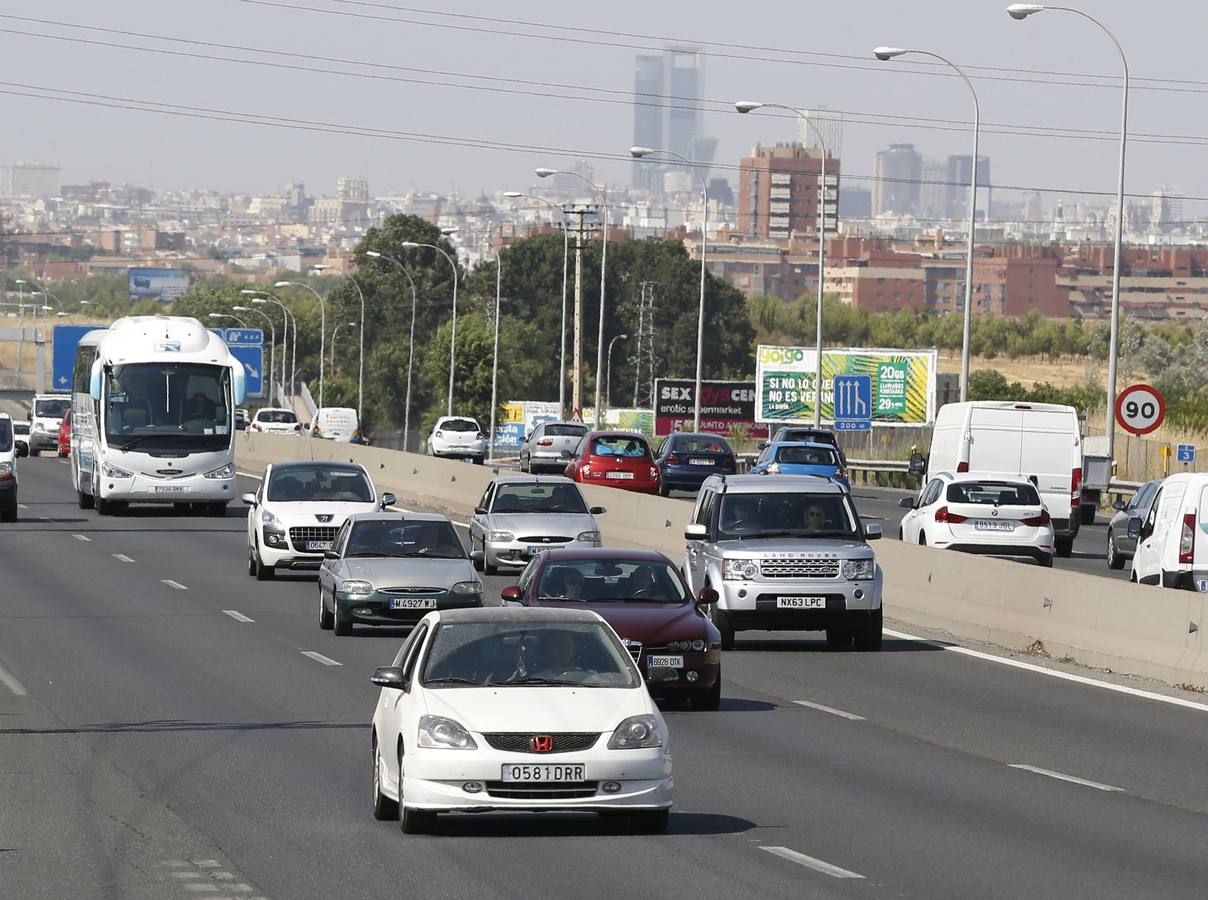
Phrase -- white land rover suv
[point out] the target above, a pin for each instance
(785, 553)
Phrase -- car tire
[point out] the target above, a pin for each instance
(526, 466)
(327, 620)
(722, 621)
(251, 563)
(9, 513)
(1046, 561)
(650, 821)
(476, 561)
(664, 490)
(412, 821)
(1064, 546)
(868, 635)
(1114, 559)
(85, 501)
(341, 624)
(922, 539)
(839, 638)
(263, 572)
(384, 809)
(104, 507)
(487, 568)
(1086, 513)
(709, 700)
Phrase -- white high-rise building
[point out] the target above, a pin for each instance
(829, 125)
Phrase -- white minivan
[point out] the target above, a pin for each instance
(335, 423)
(1172, 540)
(1041, 441)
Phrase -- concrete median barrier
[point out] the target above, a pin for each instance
(1088, 620)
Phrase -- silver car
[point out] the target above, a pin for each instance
(1121, 547)
(543, 448)
(393, 569)
(521, 515)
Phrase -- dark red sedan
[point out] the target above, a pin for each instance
(642, 595)
(65, 435)
(620, 459)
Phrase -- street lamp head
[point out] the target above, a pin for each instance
(319, 267)
(513, 195)
(61, 315)
(1023, 10)
(884, 53)
(639, 152)
(240, 309)
(448, 230)
(215, 316)
(283, 284)
(373, 254)
(544, 172)
(746, 106)
(249, 293)
(410, 245)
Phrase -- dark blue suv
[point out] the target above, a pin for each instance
(685, 460)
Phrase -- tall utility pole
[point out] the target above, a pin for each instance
(580, 231)
(644, 351)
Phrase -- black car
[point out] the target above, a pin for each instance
(686, 459)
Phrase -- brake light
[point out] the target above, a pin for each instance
(255, 427)
(942, 515)
(1187, 539)
(545, 442)
(962, 466)
(1036, 521)
(1076, 488)
(840, 472)
(654, 473)
(440, 434)
(728, 463)
(480, 436)
(673, 460)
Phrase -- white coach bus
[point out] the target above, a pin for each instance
(153, 400)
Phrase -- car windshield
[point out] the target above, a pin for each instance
(538, 498)
(51, 409)
(565, 430)
(626, 446)
(804, 514)
(6, 435)
(20, 427)
(534, 654)
(993, 493)
(459, 425)
(611, 581)
(276, 416)
(310, 483)
(402, 539)
(806, 456)
(699, 444)
(168, 406)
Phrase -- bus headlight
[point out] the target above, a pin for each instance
(114, 472)
(227, 471)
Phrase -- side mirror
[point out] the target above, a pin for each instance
(762, 445)
(707, 597)
(907, 503)
(94, 380)
(511, 594)
(389, 677)
(331, 554)
(388, 499)
(695, 532)
(872, 531)
(480, 510)
(239, 382)
(1119, 506)
(597, 510)
(249, 499)
(1134, 527)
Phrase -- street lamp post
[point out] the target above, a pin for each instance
(641, 153)
(746, 106)
(214, 315)
(261, 298)
(608, 377)
(1022, 11)
(495, 355)
(886, 53)
(411, 344)
(411, 245)
(334, 332)
(322, 327)
(272, 348)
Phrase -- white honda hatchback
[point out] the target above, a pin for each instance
(996, 515)
(517, 709)
(298, 510)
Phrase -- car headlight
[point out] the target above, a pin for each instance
(268, 519)
(227, 471)
(684, 646)
(635, 733)
(114, 472)
(6, 469)
(858, 569)
(437, 732)
(467, 587)
(500, 537)
(739, 569)
(356, 588)
(589, 537)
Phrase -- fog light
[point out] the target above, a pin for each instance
(692, 675)
(742, 592)
(472, 787)
(611, 787)
(859, 594)
(362, 611)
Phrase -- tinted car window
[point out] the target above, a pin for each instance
(620, 445)
(787, 514)
(459, 425)
(993, 493)
(807, 456)
(538, 498)
(699, 444)
(565, 430)
(617, 581)
(6, 435)
(51, 409)
(385, 539)
(276, 416)
(299, 484)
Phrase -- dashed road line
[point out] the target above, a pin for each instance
(1048, 773)
(22, 506)
(82, 538)
(830, 709)
(11, 682)
(122, 557)
(810, 862)
(319, 657)
(237, 615)
(175, 585)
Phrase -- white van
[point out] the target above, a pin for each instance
(1041, 441)
(335, 423)
(1172, 540)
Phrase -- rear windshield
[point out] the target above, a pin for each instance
(277, 416)
(821, 437)
(20, 427)
(538, 498)
(6, 435)
(620, 445)
(699, 444)
(51, 409)
(565, 430)
(300, 484)
(993, 493)
(807, 456)
(459, 425)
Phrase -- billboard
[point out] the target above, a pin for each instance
(903, 383)
(517, 419)
(158, 284)
(725, 405)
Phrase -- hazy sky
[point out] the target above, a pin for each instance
(1163, 40)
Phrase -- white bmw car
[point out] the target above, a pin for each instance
(298, 510)
(997, 515)
(517, 709)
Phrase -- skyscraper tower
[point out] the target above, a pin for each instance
(667, 90)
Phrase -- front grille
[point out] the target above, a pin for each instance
(564, 741)
(799, 568)
(304, 533)
(407, 591)
(554, 790)
(546, 540)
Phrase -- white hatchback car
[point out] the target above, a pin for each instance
(298, 510)
(272, 420)
(517, 709)
(458, 437)
(997, 515)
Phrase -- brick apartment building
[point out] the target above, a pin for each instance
(778, 193)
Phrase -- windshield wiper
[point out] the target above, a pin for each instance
(770, 534)
(457, 679)
(536, 679)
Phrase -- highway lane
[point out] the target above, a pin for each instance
(260, 750)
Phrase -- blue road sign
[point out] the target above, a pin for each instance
(253, 364)
(65, 339)
(1186, 453)
(853, 402)
(244, 337)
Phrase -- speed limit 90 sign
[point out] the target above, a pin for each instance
(1140, 409)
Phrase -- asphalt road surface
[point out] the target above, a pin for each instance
(171, 728)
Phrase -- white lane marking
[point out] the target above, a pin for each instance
(830, 709)
(1099, 786)
(82, 538)
(319, 657)
(22, 506)
(122, 557)
(175, 585)
(1052, 673)
(810, 862)
(237, 615)
(10, 681)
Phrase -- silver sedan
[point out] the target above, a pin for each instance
(543, 448)
(521, 515)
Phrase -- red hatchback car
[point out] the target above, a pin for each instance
(619, 459)
(65, 435)
(642, 595)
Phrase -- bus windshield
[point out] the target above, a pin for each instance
(168, 406)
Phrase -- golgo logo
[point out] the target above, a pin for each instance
(781, 354)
